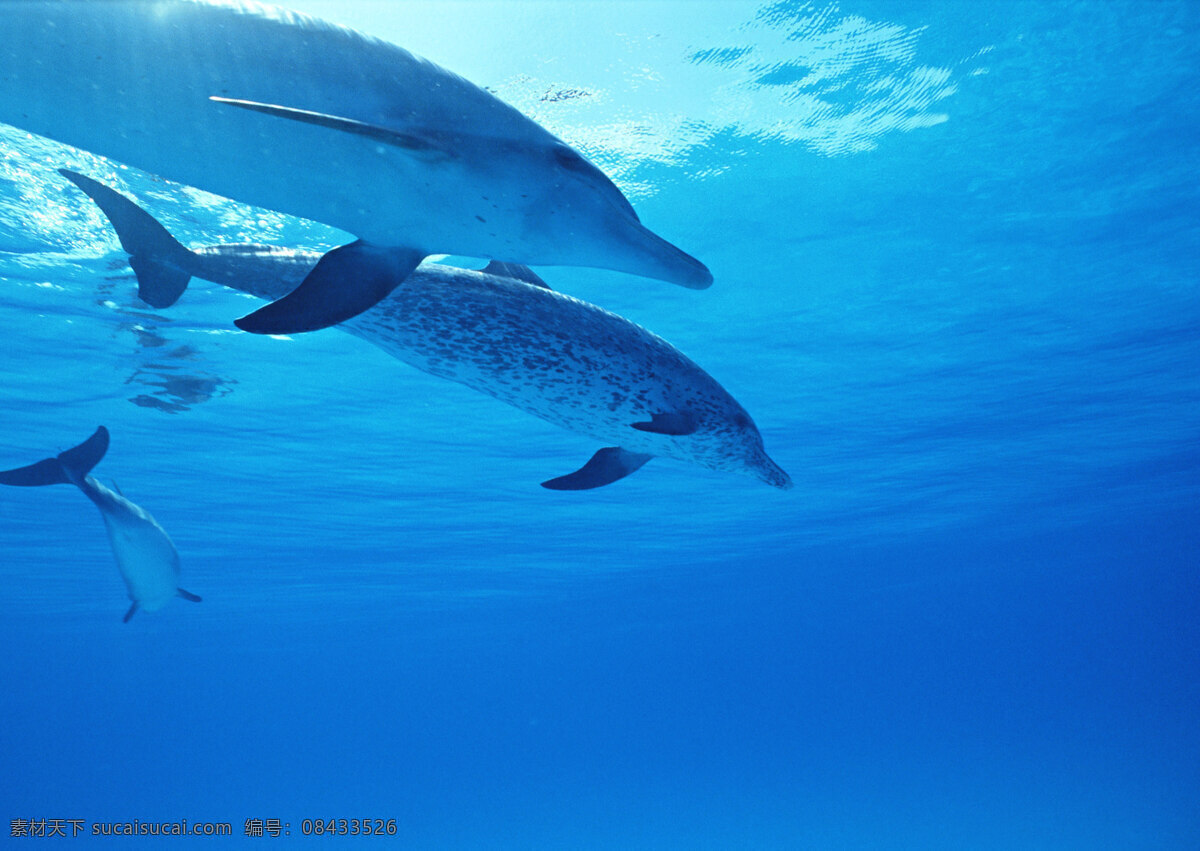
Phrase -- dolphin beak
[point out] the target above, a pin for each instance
(654, 257)
(772, 474)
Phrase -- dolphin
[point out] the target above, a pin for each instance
(502, 332)
(284, 111)
(145, 555)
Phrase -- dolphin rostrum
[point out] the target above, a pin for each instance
(145, 555)
(283, 111)
(502, 332)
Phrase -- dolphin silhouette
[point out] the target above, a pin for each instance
(503, 332)
(145, 555)
(283, 111)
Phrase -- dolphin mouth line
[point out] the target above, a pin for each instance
(674, 264)
(773, 474)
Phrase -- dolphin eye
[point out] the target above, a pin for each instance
(572, 161)
(568, 159)
(741, 421)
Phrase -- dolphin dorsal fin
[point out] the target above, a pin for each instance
(418, 144)
(515, 271)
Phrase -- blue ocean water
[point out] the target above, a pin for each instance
(956, 253)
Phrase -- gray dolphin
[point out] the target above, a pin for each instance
(502, 332)
(145, 555)
(286, 112)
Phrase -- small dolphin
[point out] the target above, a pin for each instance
(145, 555)
(502, 332)
(283, 111)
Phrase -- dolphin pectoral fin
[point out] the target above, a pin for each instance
(187, 595)
(129, 614)
(424, 145)
(344, 283)
(605, 467)
(516, 272)
(674, 424)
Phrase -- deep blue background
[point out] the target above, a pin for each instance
(972, 342)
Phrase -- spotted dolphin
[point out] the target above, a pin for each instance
(502, 332)
(145, 555)
(284, 111)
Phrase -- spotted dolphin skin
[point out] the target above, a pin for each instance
(283, 111)
(502, 332)
(145, 555)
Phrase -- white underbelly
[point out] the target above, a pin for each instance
(147, 561)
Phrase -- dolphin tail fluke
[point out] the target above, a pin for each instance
(159, 284)
(344, 283)
(69, 467)
(78, 462)
(47, 472)
(158, 259)
(188, 595)
(605, 467)
(129, 614)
